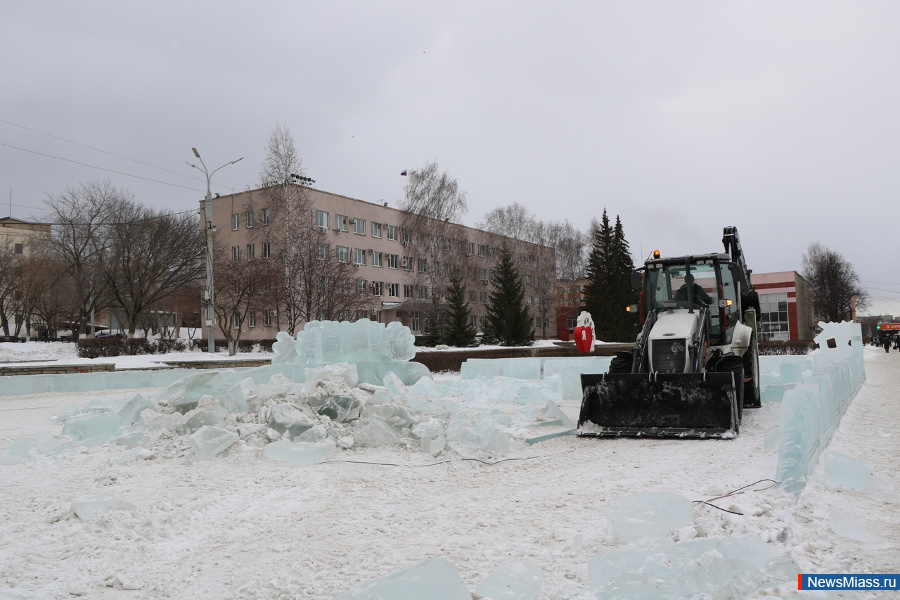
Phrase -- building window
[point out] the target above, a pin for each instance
(415, 322)
(423, 265)
(251, 319)
(322, 251)
(393, 261)
(235, 221)
(340, 223)
(406, 263)
(483, 275)
(270, 316)
(376, 229)
(774, 324)
(473, 296)
(267, 250)
(359, 256)
(236, 320)
(361, 286)
(251, 252)
(19, 249)
(235, 253)
(251, 220)
(480, 249)
(378, 288)
(359, 226)
(343, 254)
(377, 259)
(394, 290)
(322, 219)
(483, 297)
(404, 236)
(470, 248)
(392, 232)
(473, 320)
(265, 216)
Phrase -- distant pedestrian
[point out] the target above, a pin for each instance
(886, 342)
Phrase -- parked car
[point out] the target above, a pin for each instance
(107, 334)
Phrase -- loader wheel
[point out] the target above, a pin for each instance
(734, 365)
(751, 375)
(621, 363)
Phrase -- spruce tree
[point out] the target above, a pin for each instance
(458, 332)
(626, 324)
(596, 292)
(508, 321)
(608, 291)
(434, 327)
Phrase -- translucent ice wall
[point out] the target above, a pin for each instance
(374, 348)
(814, 401)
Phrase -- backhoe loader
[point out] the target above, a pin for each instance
(695, 364)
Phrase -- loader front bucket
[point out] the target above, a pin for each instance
(685, 405)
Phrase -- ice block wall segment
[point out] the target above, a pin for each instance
(811, 412)
(481, 367)
(435, 579)
(523, 368)
(570, 379)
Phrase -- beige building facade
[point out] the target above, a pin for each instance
(392, 266)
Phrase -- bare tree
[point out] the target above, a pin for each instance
(149, 255)
(10, 269)
(242, 293)
(833, 282)
(433, 203)
(312, 283)
(571, 245)
(79, 235)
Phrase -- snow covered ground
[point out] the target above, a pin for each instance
(241, 526)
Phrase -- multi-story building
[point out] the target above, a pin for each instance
(786, 311)
(18, 240)
(379, 255)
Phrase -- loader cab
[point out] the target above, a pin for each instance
(712, 273)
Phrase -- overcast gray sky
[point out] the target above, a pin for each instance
(682, 117)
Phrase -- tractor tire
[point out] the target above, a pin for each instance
(751, 371)
(621, 363)
(734, 365)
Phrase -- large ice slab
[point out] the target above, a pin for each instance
(662, 569)
(512, 580)
(434, 579)
(842, 470)
(650, 514)
(93, 507)
(299, 453)
(209, 441)
(92, 429)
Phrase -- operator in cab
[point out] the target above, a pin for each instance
(700, 294)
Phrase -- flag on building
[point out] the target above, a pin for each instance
(403, 173)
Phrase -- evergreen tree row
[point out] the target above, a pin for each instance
(609, 292)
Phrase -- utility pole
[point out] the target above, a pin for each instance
(209, 295)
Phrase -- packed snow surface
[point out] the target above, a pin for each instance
(283, 503)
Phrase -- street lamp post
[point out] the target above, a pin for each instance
(207, 212)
